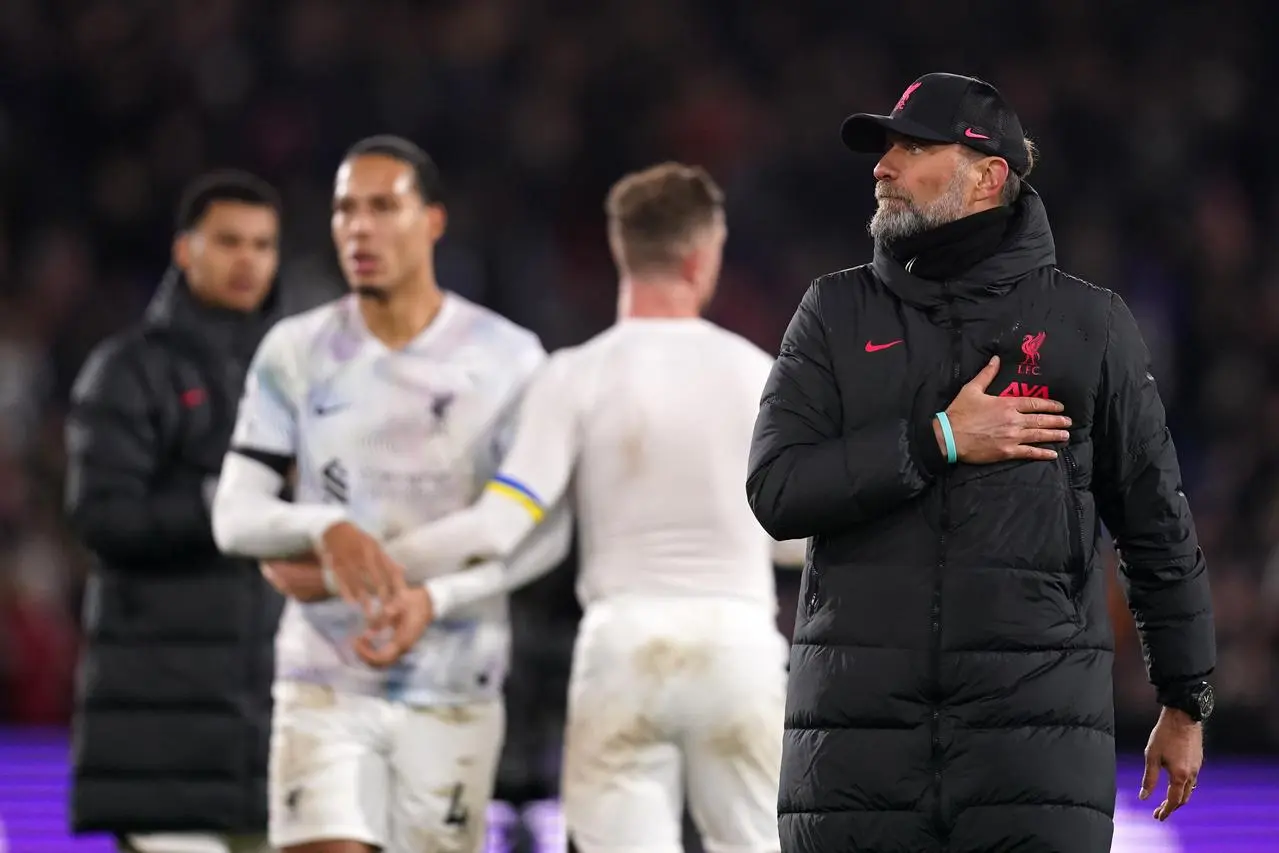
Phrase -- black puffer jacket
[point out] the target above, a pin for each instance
(951, 670)
(173, 702)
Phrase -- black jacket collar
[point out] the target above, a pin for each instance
(231, 332)
(1028, 246)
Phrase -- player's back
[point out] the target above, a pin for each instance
(678, 652)
(668, 407)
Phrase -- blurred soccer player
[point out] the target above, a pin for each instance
(679, 672)
(174, 696)
(394, 404)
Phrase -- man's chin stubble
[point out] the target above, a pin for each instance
(371, 292)
(885, 226)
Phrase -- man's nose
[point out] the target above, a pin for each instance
(360, 222)
(885, 169)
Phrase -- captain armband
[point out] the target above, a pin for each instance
(516, 491)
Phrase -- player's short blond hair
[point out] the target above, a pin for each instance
(654, 214)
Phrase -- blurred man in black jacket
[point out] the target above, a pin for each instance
(173, 702)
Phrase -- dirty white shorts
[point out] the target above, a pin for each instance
(670, 697)
(192, 842)
(384, 773)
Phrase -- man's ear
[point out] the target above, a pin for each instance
(994, 175)
(690, 264)
(437, 220)
(182, 251)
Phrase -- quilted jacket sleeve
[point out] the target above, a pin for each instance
(114, 454)
(1139, 494)
(810, 476)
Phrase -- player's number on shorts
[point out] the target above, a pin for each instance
(457, 813)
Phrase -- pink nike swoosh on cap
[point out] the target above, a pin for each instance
(971, 134)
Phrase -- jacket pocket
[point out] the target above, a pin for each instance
(1078, 559)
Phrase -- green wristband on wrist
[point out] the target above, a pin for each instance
(949, 437)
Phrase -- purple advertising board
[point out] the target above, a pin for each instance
(1234, 810)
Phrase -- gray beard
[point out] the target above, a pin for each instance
(898, 219)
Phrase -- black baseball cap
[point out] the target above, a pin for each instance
(945, 108)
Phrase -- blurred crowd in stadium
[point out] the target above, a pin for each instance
(1156, 171)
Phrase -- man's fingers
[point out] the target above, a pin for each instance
(1187, 789)
(374, 609)
(350, 585)
(406, 634)
(352, 577)
(1044, 436)
(378, 656)
(352, 591)
(1178, 792)
(1027, 451)
(364, 648)
(390, 578)
(392, 651)
(986, 375)
(1036, 404)
(375, 568)
(377, 618)
(398, 583)
(393, 609)
(1039, 420)
(380, 572)
(305, 562)
(1150, 777)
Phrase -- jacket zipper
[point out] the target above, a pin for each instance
(938, 574)
(814, 587)
(1078, 548)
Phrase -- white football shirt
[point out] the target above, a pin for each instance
(648, 425)
(390, 440)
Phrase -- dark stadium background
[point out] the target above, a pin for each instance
(1155, 121)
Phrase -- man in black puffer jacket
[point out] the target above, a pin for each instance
(951, 424)
(173, 705)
